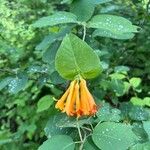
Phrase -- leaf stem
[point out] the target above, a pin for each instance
(80, 135)
(79, 131)
(84, 32)
(88, 129)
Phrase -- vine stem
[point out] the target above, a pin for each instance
(79, 131)
(80, 135)
(84, 32)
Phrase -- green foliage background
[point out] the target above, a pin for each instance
(29, 81)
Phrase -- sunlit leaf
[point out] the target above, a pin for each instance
(71, 59)
(137, 101)
(135, 82)
(147, 101)
(44, 103)
(117, 76)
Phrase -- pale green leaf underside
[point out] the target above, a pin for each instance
(114, 24)
(75, 57)
(110, 34)
(55, 19)
(116, 136)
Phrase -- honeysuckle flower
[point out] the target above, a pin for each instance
(77, 100)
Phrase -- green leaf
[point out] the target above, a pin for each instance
(137, 101)
(147, 101)
(138, 113)
(140, 102)
(4, 82)
(83, 9)
(125, 109)
(118, 136)
(46, 42)
(146, 125)
(101, 1)
(126, 86)
(104, 65)
(55, 19)
(49, 56)
(56, 78)
(53, 37)
(113, 35)
(117, 76)
(67, 122)
(57, 92)
(5, 141)
(53, 125)
(117, 86)
(44, 103)
(66, 1)
(139, 132)
(141, 146)
(34, 69)
(89, 145)
(58, 142)
(105, 113)
(75, 57)
(121, 69)
(135, 82)
(17, 84)
(113, 24)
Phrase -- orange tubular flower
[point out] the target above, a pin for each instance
(77, 100)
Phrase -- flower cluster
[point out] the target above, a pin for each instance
(77, 100)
